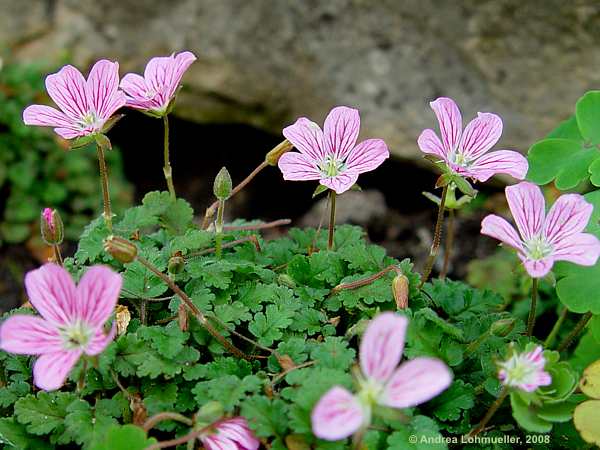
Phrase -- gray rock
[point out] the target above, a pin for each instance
(266, 62)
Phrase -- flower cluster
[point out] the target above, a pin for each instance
(525, 371)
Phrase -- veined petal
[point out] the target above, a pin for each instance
(52, 292)
(181, 63)
(68, 90)
(430, 143)
(450, 121)
(29, 335)
(501, 161)
(340, 183)
(46, 116)
(51, 370)
(580, 248)
(216, 442)
(480, 135)
(337, 415)
(340, 131)
(100, 341)
(368, 155)
(382, 345)
(157, 72)
(537, 268)
(134, 86)
(298, 167)
(237, 431)
(307, 137)
(102, 85)
(569, 215)
(415, 382)
(527, 205)
(70, 133)
(498, 228)
(97, 295)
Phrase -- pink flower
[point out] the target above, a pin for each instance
(525, 371)
(332, 155)
(464, 152)
(48, 216)
(339, 413)
(542, 239)
(72, 321)
(86, 105)
(231, 434)
(154, 92)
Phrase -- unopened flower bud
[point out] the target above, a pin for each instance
(176, 263)
(272, 157)
(123, 317)
(503, 327)
(400, 289)
(223, 185)
(210, 412)
(51, 227)
(121, 249)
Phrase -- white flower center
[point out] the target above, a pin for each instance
(460, 159)
(537, 248)
(90, 120)
(330, 166)
(519, 371)
(76, 335)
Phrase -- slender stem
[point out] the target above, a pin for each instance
(260, 226)
(449, 243)
(57, 254)
(105, 189)
(332, 196)
(313, 244)
(143, 311)
(479, 428)
(573, 334)
(251, 238)
(167, 169)
(363, 282)
(81, 381)
(549, 342)
(473, 346)
(437, 237)
(157, 418)
(194, 309)
(219, 228)
(210, 211)
(534, 295)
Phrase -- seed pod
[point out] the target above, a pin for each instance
(176, 263)
(400, 291)
(223, 185)
(272, 157)
(503, 327)
(121, 249)
(51, 227)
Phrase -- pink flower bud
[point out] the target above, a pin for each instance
(51, 227)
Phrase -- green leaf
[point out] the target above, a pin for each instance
(567, 129)
(587, 112)
(44, 413)
(267, 327)
(160, 398)
(229, 390)
(86, 425)
(449, 405)
(586, 418)
(267, 417)
(167, 341)
(14, 435)
(139, 281)
(333, 353)
(126, 437)
(421, 434)
(526, 417)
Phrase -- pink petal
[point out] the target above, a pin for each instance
(480, 135)
(429, 143)
(416, 382)
(181, 63)
(307, 137)
(68, 90)
(51, 370)
(368, 155)
(450, 121)
(569, 215)
(298, 167)
(29, 335)
(498, 228)
(340, 183)
(216, 442)
(237, 431)
(337, 415)
(70, 133)
(97, 295)
(527, 205)
(52, 292)
(134, 86)
(102, 85)
(100, 341)
(502, 161)
(341, 131)
(382, 345)
(46, 116)
(537, 268)
(580, 248)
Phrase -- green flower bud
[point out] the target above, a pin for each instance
(209, 413)
(223, 185)
(272, 157)
(51, 227)
(121, 249)
(400, 290)
(503, 327)
(176, 263)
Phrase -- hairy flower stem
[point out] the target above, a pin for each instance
(358, 283)
(219, 229)
(437, 237)
(534, 295)
(479, 428)
(250, 238)
(57, 255)
(449, 243)
(549, 342)
(573, 334)
(105, 190)
(168, 171)
(199, 315)
(210, 211)
(81, 381)
(157, 418)
(473, 346)
(332, 197)
(260, 226)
